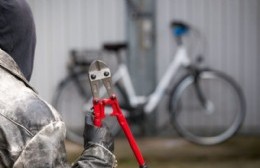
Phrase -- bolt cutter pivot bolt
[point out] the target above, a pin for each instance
(106, 73)
(93, 76)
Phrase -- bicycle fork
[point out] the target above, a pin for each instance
(206, 104)
(98, 71)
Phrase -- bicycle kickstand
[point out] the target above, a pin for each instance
(98, 71)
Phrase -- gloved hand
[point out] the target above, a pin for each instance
(102, 136)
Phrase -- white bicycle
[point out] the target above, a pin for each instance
(205, 106)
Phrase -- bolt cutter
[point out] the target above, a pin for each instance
(98, 71)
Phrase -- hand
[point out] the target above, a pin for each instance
(98, 135)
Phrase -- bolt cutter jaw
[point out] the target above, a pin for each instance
(98, 71)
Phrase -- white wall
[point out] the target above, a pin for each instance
(62, 25)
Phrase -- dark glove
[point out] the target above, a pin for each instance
(102, 136)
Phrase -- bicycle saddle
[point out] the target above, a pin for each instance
(115, 46)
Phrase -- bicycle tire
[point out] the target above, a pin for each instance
(70, 103)
(187, 111)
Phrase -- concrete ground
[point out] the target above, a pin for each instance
(175, 152)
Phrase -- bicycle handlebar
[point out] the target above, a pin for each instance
(180, 24)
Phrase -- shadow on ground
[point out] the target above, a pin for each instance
(238, 152)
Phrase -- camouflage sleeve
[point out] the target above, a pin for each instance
(96, 156)
(46, 149)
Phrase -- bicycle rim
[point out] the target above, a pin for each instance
(214, 121)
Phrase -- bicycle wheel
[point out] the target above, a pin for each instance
(210, 111)
(73, 100)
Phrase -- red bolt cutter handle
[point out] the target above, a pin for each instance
(99, 115)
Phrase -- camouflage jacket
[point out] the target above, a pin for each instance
(31, 131)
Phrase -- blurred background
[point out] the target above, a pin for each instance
(231, 31)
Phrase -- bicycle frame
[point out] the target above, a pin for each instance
(181, 59)
(122, 74)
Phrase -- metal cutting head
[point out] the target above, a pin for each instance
(98, 71)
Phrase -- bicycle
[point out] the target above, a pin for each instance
(202, 93)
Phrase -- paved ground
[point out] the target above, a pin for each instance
(238, 152)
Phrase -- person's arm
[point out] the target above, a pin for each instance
(33, 135)
(46, 149)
